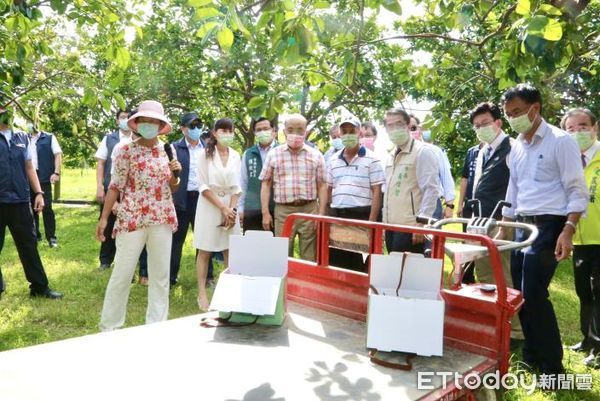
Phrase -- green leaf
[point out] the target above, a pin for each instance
(261, 83)
(207, 12)
(322, 4)
(316, 95)
(122, 57)
(277, 104)
(225, 38)
(550, 10)
(206, 28)
(393, 6)
(256, 102)
(288, 5)
(553, 30)
(523, 7)
(330, 90)
(198, 3)
(120, 101)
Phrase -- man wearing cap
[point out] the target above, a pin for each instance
(188, 150)
(103, 175)
(354, 177)
(17, 174)
(296, 174)
(412, 183)
(252, 162)
(47, 160)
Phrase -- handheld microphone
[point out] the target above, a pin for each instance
(169, 153)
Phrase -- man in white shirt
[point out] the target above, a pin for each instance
(546, 188)
(445, 171)
(103, 170)
(354, 177)
(47, 160)
(336, 142)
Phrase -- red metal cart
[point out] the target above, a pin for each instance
(476, 321)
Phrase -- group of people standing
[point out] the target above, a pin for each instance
(151, 192)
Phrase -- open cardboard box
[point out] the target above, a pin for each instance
(254, 283)
(413, 320)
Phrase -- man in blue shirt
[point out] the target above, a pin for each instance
(15, 210)
(546, 188)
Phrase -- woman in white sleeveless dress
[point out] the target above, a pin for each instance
(216, 214)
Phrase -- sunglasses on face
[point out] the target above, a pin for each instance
(195, 125)
(413, 127)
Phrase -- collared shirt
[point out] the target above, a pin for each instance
(468, 170)
(352, 181)
(486, 151)
(296, 175)
(244, 173)
(591, 152)
(330, 152)
(54, 144)
(30, 150)
(193, 183)
(545, 177)
(102, 152)
(445, 174)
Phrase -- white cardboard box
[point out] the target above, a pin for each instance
(413, 320)
(257, 270)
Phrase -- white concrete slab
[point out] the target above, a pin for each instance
(314, 356)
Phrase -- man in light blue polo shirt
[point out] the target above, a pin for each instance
(546, 188)
(354, 177)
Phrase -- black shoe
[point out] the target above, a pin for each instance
(580, 347)
(47, 293)
(52, 242)
(173, 283)
(104, 266)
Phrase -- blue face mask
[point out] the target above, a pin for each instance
(123, 124)
(194, 133)
(337, 143)
(427, 136)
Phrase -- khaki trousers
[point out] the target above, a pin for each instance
(304, 229)
(485, 274)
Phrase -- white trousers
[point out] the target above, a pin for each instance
(157, 239)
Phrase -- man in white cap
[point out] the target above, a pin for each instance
(354, 178)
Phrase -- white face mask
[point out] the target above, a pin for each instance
(522, 123)
(486, 134)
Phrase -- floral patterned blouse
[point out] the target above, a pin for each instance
(141, 175)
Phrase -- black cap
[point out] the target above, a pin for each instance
(188, 118)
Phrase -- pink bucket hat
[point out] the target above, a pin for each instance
(152, 109)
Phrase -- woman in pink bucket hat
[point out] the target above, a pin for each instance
(143, 181)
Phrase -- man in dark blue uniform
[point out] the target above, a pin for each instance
(15, 210)
(47, 160)
(185, 199)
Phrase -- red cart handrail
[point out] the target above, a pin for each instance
(377, 229)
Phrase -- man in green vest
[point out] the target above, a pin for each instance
(252, 161)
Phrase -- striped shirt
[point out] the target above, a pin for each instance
(351, 182)
(296, 175)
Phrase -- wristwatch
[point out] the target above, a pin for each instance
(39, 193)
(450, 205)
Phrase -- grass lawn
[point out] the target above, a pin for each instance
(72, 269)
